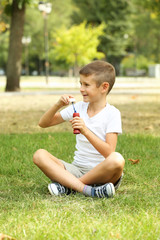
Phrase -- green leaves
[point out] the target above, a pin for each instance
(114, 14)
(78, 44)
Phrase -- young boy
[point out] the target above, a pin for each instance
(97, 169)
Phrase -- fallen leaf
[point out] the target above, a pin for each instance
(134, 161)
(149, 127)
(133, 97)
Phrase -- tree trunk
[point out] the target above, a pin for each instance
(15, 47)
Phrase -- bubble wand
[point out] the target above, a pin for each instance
(75, 114)
(73, 107)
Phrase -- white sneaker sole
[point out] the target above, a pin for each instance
(110, 190)
(53, 189)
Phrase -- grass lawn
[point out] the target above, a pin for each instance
(27, 211)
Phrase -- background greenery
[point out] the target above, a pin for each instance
(27, 211)
(131, 31)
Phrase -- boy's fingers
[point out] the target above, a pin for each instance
(70, 96)
(65, 99)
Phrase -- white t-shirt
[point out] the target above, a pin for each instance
(108, 120)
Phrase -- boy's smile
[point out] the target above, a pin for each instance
(89, 90)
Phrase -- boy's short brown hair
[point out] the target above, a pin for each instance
(102, 72)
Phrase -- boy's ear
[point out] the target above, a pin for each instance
(105, 86)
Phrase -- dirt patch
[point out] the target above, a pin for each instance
(20, 114)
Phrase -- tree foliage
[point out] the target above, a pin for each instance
(114, 14)
(151, 5)
(36, 31)
(131, 28)
(3, 38)
(78, 45)
(146, 34)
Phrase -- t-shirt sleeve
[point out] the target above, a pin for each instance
(67, 113)
(115, 123)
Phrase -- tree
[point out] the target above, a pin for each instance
(115, 14)
(146, 34)
(36, 31)
(3, 38)
(78, 45)
(17, 10)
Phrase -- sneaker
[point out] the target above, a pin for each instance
(104, 191)
(57, 189)
(118, 183)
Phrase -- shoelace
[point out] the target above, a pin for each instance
(61, 188)
(101, 192)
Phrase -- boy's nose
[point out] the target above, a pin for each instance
(81, 89)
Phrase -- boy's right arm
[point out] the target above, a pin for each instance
(52, 116)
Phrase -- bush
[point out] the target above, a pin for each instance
(134, 62)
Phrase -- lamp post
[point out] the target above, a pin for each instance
(26, 41)
(45, 8)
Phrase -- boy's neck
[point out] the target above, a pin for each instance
(95, 107)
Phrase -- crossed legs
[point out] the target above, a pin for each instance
(109, 170)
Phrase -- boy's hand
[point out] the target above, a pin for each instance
(78, 123)
(64, 100)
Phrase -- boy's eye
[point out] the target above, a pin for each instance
(84, 84)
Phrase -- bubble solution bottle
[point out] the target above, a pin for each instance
(75, 114)
(76, 131)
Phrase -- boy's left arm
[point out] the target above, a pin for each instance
(105, 148)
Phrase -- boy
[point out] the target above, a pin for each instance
(97, 169)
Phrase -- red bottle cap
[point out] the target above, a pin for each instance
(75, 114)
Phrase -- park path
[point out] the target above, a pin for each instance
(60, 85)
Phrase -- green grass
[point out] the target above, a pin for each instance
(27, 211)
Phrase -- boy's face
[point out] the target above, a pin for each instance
(89, 90)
